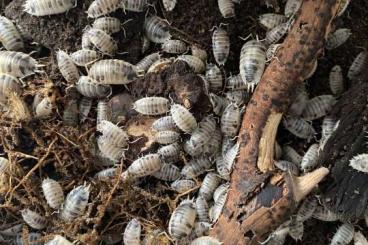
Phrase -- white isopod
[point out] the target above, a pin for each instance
(227, 8)
(84, 57)
(44, 108)
(10, 37)
(220, 44)
(174, 46)
(310, 158)
(214, 77)
(318, 107)
(336, 80)
(221, 168)
(275, 34)
(216, 210)
(18, 64)
(230, 120)
(107, 24)
(106, 173)
(198, 52)
(206, 240)
(197, 65)
(156, 29)
(170, 153)
(48, 7)
(360, 162)
(104, 111)
(75, 203)
(209, 185)
(339, 37)
(67, 67)
(102, 41)
(182, 186)
(145, 63)
(291, 7)
(182, 220)
(169, 5)
(270, 20)
(135, 5)
(167, 172)
(196, 167)
(167, 137)
(109, 151)
(152, 106)
(343, 235)
(85, 105)
(230, 156)
(33, 219)
(59, 240)
(144, 166)
(357, 67)
(183, 118)
(32, 237)
(299, 127)
(132, 233)
(202, 209)
(8, 84)
(53, 193)
(103, 7)
(113, 134)
(90, 88)
(164, 123)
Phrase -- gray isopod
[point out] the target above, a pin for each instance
(53, 193)
(299, 127)
(167, 172)
(85, 105)
(182, 186)
(318, 107)
(170, 153)
(18, 64)
(287, 166)
(214, 77)
(270, 20)
(227, 8)
(84, 57)
(202, 209)
(75, 203)
(209, 185)
(10, 37)
(197, 65)
(198, 52)
(104, 111)
(8, 84)
(107, 24)
(218, 103)
(220, 44)
(48, 7)
(164, 123)
(166, 137)
(339, 37)
(291, 7)
(357, 67)
(102, 41)
(336, 80)
(67, 67)
(152, 106)
(289, 154)
(182, 220)
(135, 5)
(145, 63)
(103, 7)
(144, 166)
(183, 119)
(230, 120)
(90, 88)
(156, 29)
(174, 46)
(310, 158)
(235, 82)
(33, 219)
(132, 233)
(275, 34)
(196, 167)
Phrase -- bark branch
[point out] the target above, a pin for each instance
(252, 211)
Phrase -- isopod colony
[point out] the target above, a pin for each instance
(98, 191)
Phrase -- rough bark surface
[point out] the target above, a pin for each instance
(303, 45)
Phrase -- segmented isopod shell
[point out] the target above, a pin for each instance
(113, 71)
(202, 134)
(275, 34)
(145, 63)
(85, 106)
(198, 52)
(336, 80)
(167, 172)
(195, 167)
(113, 134)
(106, 173)
(339, 37)
(86, 42)
(306, 209)
(289, 154)
(287, 166)
(359, 239)
(216, 210)
(298, 105)
(310, 158)
(33, 219)
(144, 166)
(291, 7)
(67, 67)
(182, 186)
(18, 64)
(48, 7)
(202, 209)
(132, 233)
(209, 185)
(322, 213)
(252, 62)
(227, 8)
(182, 220)
(103, 7)
(299, 127)
(220, 44)
(169, 5)
(70, 114)
(164, 123)
(183, 119)
(230, 156)
(329, 125)
(110, 151)
(152, 106)
(84, 57)
(8, 84)
(89, 87)
(107, 24)
(214, 144)
(59, 240)
(205, 240)
(272, 51)
(214, 77)
(156, 29)
(44, 108)
(170, 153)
(343, 235)
(103, 111)
(235, 83)
(33, 236)
(356, 68)
(135, 5)
(167, 137)
(230, 120)
(221, 168)
(197, 65)
(218, 103)
(271, 20)
(160, 65)
(318, 107)
(10, 37)
(75, 203)
(102, 41)
(201, 228)
(360, 162)
(53, 193)
(174, 46)
(236, 97)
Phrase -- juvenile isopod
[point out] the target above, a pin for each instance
(107, 24)
(156, 29)
(205, 240)
(53, 193)
(299, 127)
(75, 203)
(18, 64)
(287, 166)
(221, 168)
(33, 219)
(169, 5)
(103, 111)
(214, 77)
(197, 65)
(218, 103)
(144, 166)
(198, 52)
(291, 7)
(318, 107)
(235, 82)
(48, 7)
(84, 57)
(182, 220)
(145, 63)
(85, 105)
(343, 235)
(67, 67)
(90, 88)
(336, 80)
(339, 37)
(113, 134)
(10, 37)
(113, 71)
(216, 210)
(357, 67)
(230, 120)
(167, 137)
(272, 51)
(106, 173)
(209, 185)
(44, 108)
(59, 240)
(135, 5)
(271, 20)
(170, 153)
(227, 8)
(196, 167)
(167, 172)
(103, 7)
(275, 34)
(202, 209)
(132, 233)
(183, 118)
(220, 44)
(152, 106)
(8, 84)
(289, 154)
(102, 41)
(310, 158)
(174, 46)
(230, 156)
(164, 123)
(182, 186)
(360, 162)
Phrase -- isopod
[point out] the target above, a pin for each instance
(198, 52)
(221, 168)
(201, 228)
(236, 97)
(156, 29)
(252, 62)
(195, 167)
(343, 235)
(359, 238)
(53, 193)
(170, 153)
(197, 65)
(112, 134)
(182, 220)
(336, 80)
(160, 65)
(275, 34)
(102, 41)
(167, 137)
(75, 203)
(291, 7)
(322, 213)
(339, 37)
(328, 127)
(86, 42)
(360, 162)
(135, 5)
(310, 158)
(4, 165)
(296, 229)
(10, 37)
(209, 185)
(12, 231)
(107, 24)
(278, 236)
(8, 84)
(70, 114)
(167, 172)
(164, 123)
(182, 186)
(272, 51)
(132, 233)
(44, 108)
(113, 71)
(287, 166)
(201, 135)
(356, 68)
(205, 240)
(306, 209)
(227, 8)
(152, 106)
(202, 209)
(214, 78)
(67, 67)
(145, 63)
(289, 154)
(33, 219)
(90, 88)
(230, 155)
(214, 144)
(59, 240)
(169, 5)
(106, 173)
(18, 64)
(84, 57)
(299, 127)
(220, 44)
(216, 210)
(318, 107)
(110, 151)
(271, 20)
(183, 119)
(235, 83)
(103, 7)
(144, 166)
(103, 111)
(48, 7)
(174, 46)
(85, 105)
(230, 120)
(32, 237)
